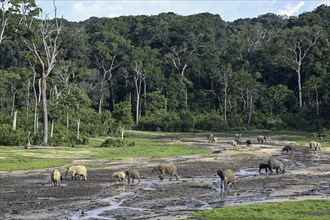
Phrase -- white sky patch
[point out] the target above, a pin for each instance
(290, 9)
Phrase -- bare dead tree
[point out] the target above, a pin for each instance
(45, 55)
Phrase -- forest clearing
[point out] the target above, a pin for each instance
(30, 194)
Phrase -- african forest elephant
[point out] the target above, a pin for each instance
(132, 174)
(315, 145)
(275, 164)
(227, 176)
(120, 176)
(168, 168)
(56, 177)
(78, 170)
(261, 139)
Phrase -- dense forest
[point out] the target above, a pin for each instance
(63, 81)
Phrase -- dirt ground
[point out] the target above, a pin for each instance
(29, 195)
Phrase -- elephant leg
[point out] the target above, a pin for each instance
(73, 175)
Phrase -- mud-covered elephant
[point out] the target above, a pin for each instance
(78, 170)
(56, 177)
(168, 168)
(315, 145)
(288, 148)
(120, 175)
(227, 176)
(275, 164)
(132, 174)
(261, 139)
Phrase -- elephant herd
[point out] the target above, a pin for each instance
(80, 171)
(227, 176)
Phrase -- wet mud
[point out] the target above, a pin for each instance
(29, 195)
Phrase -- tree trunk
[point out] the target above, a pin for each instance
(52, 128)
(225, 110)
(122, 133)
(44, 110)
(14, 121)
(317, 101)
(78, 128)
(28, 100)
(299, 85)
(250, 111)
(67, 121)
(145, 97)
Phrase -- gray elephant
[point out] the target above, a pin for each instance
(288, 148)
(132, 174)
(261, 139)
(315, 145)
(121, 175)
(227, 176)
(56, 177)
(168, 168)
(275, 164)
(263, 166)
(78, 170)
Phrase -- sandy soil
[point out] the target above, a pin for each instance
(29, 195)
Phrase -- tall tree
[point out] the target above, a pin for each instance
(44, 47)
(297, 43)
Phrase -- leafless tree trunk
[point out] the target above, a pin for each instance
(49, 34)
(106, 77)
(14, 121)
(298, 53)
(78, 128)
(138, 79)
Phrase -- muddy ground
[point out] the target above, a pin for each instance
(29, 195)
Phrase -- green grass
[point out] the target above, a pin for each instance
(241, 155)
(309, 209)
(147, 144)
(18, 158)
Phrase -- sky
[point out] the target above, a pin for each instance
(229, 10)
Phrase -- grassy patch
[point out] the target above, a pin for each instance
(310, 209)
(28, 162)
(18, 158)
(241, 155)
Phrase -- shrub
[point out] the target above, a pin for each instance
(187, 121)
(112, 142)
(211, 121)
(12, 138)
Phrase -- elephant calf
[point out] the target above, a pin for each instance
(132, 174)
(56, 177)
(263, 166)
(120, 176)
(275, 164)
(78, 170)
(315, 145)
(227, 176)
(168, 168)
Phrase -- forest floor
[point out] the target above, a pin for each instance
(29, 194)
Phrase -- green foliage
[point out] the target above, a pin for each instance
(115, 142)
(235, 76)
(211, 122)
(8, 137)
(309, 209)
